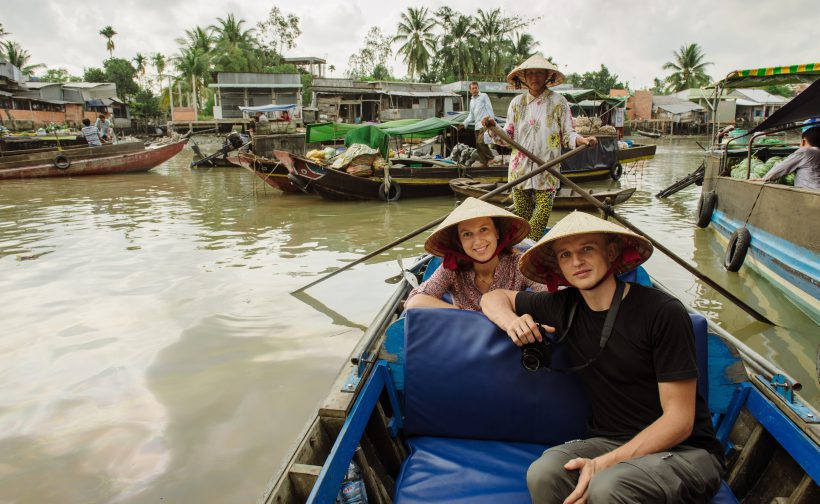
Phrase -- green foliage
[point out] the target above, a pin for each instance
(108, 32)
(58, 75)
(781, 90)
(375, 52)
(601, 81)
(415, 33)
(208, 106)
(122, 73)
(688, 69)
(18, 57)
(146, 105)
(278, 31)
(94, 74)
(307, 87)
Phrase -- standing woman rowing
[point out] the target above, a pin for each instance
(539, 120)
(476, 242)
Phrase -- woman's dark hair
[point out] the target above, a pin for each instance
(86, 121)
(501, 225)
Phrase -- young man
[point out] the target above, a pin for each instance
(103, 125)
(480, 110)
(91, 133)
(650, 435)
(541, 122)
(804, 162)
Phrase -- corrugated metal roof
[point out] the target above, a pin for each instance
(680, 108)
(256, 86)
(423, 94)
(40, 84)
(761, 96)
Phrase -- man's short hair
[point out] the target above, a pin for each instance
(86, 121)
(812, 136)
(474, 83)
(102, 116)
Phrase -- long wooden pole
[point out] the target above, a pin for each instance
(542, 168)
(607, 209)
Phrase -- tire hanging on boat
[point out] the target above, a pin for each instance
(706, 205)
(61, 162)
(736, 250)
(393, 193)
(616, 171)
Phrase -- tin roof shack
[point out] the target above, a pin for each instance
(346, 100)
(234, 90)
(99, 97)
(755, 105)
(39, 104)
(726, 108)
(310, 64)
(11, 80)
(681, 115)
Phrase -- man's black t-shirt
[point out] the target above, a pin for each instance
(651, 342)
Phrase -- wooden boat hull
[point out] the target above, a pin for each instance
(565, 199)
(648, 134)
(270, 171)
(636, 153)
(784, 228)
(98, 163)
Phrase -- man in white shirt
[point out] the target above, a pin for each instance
(480, 109)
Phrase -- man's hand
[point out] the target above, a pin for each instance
(523, 330)
(588, 468)
(488, 122)
(590, 140)
(460, 127)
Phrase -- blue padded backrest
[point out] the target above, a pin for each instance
(463, 378)
(701, 354)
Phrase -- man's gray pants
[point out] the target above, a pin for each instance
(485, 155)
(680, 475)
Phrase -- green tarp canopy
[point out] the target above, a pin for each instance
(325, 132)
(761, 77)
(377, 136)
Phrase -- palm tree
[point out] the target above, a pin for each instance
(689, 68)
(3, 31)
(332, 69)
(197, 38)
(523, 47)
(139, 63)
(235, 48)
(415, 30)
(490, 27)
(19, 57)
(193, 67)
(445, 17)
(109, 33)
(159, 64)
(458, 46)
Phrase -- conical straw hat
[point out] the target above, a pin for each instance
(536, 62)
(441, 241)
(539, 263)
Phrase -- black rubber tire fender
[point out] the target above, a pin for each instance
(616, 171)
(706, 205)
(395, 192)
(61, 162)
(736, 249)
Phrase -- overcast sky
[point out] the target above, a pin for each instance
(633, 38)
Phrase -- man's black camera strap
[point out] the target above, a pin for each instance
(606, 331)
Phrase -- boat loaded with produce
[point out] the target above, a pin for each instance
(771, 227)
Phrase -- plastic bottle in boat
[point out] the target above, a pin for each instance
(352, 490)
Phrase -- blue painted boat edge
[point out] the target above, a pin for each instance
(792, 268)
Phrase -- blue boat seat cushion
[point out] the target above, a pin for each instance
(475, 419)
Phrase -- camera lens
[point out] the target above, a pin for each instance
(530, 361)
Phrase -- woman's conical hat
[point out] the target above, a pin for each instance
(536, 62)
(441, 241)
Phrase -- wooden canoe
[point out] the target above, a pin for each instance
(102, 160)
(649, 134)
(566, 199)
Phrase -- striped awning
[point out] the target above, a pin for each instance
(755, 77)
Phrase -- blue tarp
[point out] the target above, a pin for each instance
(268, 108)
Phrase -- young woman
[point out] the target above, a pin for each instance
(476, 242)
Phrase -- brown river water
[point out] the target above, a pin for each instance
(150, 351)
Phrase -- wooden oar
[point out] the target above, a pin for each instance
(607, 209)
(542, 168)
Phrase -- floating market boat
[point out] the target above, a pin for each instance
(29, 143)
(565, 198)
(637, 152)
(434, 406)
(106, 159)
(772, 228)
(649, 134)
(272, 171)
(219, 158)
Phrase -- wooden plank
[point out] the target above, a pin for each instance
(376, 492)
(303, 477)
(807, 492)
(753, 457)
(338, 402)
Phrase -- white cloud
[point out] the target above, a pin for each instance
(633, 38)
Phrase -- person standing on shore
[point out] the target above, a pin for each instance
(539, 120)
(480, 110)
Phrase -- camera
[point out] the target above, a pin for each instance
(537, 355)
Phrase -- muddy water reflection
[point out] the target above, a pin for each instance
(149, 348)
